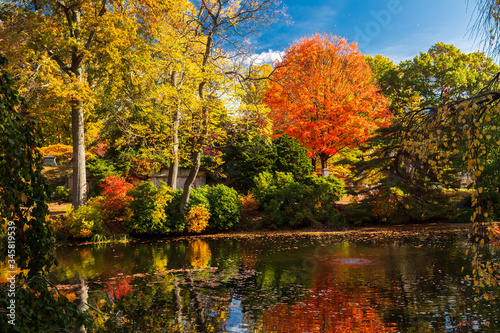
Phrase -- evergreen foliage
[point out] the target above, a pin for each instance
(248, 157)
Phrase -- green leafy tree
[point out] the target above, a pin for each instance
(407, 183)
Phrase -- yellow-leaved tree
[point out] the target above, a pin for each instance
(53, 45)
(224, 26)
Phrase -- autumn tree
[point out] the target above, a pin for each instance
(151, 92)
(55, 43)
(224, 26)
(323, 95)
(253, 114)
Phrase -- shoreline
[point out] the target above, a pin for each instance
(392, 230)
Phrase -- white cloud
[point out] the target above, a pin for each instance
(266, 57)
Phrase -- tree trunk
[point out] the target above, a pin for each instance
(193, 172)
(174, 165)
(173, 171)
(82, 301)
(77, 129)
(79, 172)
(324, 164)
(177, 303)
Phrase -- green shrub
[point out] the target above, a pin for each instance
(87, 220)
(220, 201)
(175, 220)
(246, 159)
(225, 207)
(289, 202)
(267, 184)
(61, 193)
(147, 209)
(199, 196)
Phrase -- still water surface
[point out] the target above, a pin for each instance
(359, 282)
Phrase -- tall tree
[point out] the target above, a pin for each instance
(59, 41)
(151, 92)
(225, 26)
(323, 95)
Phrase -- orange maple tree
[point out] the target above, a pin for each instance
(323, 94)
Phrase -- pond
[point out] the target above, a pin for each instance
(296, 282)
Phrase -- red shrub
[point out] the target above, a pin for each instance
(114, 190)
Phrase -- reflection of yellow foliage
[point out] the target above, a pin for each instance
(160, 261)
(198, 253)
(197, 219)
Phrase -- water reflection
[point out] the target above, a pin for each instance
(280, 284)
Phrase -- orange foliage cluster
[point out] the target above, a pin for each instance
(63, 153)
(323, 95)
(496, 236)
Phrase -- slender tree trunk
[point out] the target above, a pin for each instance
(177, 303)
(174, 164)
(193, 172)
(82, 301)
(324, 164)
(76, 71)
(173, 170)
(79, 171)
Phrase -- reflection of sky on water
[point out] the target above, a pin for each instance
(235, 319)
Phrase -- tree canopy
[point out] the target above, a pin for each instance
(322, 94)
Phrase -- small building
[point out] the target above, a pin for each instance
(162, 175)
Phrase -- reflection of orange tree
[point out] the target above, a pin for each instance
(198, 253)
(328, 310)
(495, 235)
(119, 287)
(334, 304)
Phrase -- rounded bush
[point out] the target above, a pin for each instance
(289, 202)
(197, 219)
(147, 209)
(225, 207)
(175, 220)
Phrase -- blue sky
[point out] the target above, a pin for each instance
(398, 29)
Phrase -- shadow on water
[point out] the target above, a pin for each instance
(280, 284)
